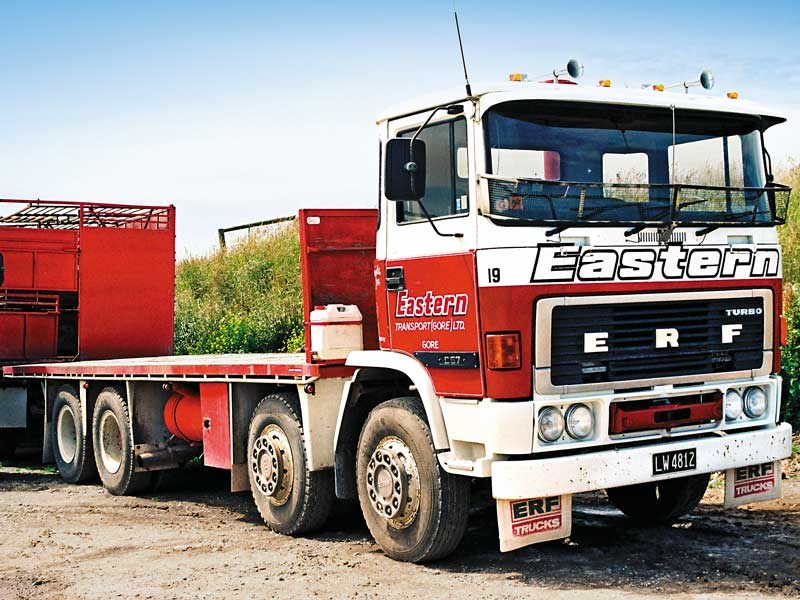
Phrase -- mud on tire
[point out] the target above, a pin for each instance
(291, 499)
(433, 518)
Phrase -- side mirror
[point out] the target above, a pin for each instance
(404, 173)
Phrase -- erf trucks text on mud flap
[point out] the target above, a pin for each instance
(564, 289)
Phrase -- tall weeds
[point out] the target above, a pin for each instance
(245, 299)
(789, 174)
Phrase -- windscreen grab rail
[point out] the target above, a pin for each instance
(539, 201)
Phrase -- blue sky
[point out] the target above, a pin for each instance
(241, 111)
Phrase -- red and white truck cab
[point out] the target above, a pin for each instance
(599, 303)
(570, 289)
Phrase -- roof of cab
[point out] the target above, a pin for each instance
(500, 92)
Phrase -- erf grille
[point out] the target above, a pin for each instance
(608, 342)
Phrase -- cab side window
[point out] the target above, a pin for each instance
(446, 172)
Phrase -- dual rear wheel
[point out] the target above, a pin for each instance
(112, 439)
(72, 448)
(106, 451)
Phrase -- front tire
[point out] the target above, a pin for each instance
(291, 499)
(113, 448)
(72, 448)
(415, 510)
(660, 502)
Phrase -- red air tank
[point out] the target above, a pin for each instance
(182, 414)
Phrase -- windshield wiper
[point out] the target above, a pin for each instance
(556, 230)
(635, 230)
(682, 204)
(706, 230)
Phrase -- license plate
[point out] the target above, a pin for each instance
(674, 461)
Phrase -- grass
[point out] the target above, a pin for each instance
(789, 174)
(245, 299)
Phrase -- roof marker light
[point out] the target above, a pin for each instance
(658, 87)
(604, 83)
(518, 77)
(733, 95)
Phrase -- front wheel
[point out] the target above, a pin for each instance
(291, 499)
(415, 510)
(660, 502)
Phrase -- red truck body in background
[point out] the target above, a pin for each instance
(81, 281)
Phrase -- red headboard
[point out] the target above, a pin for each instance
(337, 257)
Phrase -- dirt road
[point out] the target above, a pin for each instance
(195, 540)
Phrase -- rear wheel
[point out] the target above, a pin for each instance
(660, 502)
(290, 498)
(72, 448)
(113, 448)
(414, 509)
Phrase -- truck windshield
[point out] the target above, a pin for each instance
(580, 163)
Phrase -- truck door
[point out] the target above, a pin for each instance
(430, 279)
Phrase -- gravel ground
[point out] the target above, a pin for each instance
(195, 540)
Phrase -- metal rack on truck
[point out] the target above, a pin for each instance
(76, 281)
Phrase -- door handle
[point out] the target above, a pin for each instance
(395, 280)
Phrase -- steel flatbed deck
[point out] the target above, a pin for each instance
(201, 367)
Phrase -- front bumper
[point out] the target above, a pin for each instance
(518, 480)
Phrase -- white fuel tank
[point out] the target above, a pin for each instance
(336, 331)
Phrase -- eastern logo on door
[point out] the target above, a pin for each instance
(431, 305)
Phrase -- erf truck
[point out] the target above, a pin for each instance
(564, 288)
(74, 277)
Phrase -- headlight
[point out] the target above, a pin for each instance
(579, 421)
(551, 424)
(733, 405)
(755, 402)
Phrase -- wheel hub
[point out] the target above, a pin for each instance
(271, 463)
(393, 483)
(111, 452)
(67, 434)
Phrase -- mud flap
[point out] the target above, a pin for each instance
(755, 483)
(525, 522)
